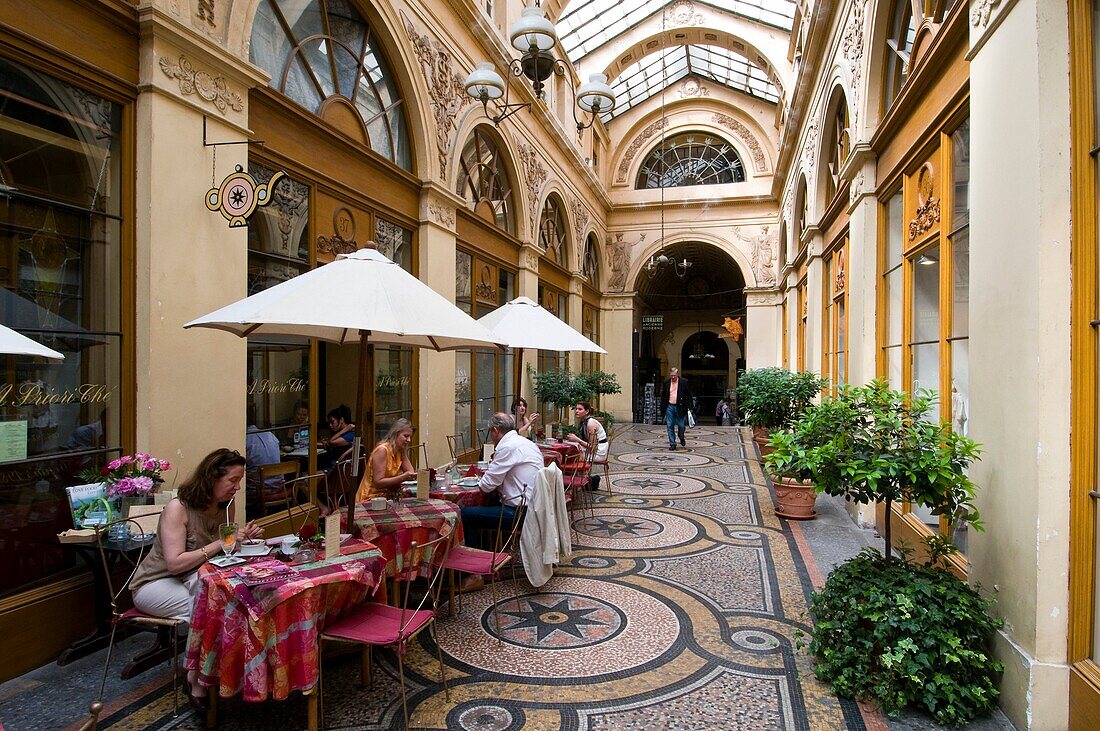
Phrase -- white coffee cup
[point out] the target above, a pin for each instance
(288, 545)
(378, 503)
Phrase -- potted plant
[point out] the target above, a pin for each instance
(563, 388)
(131, 479)
(887, 628)
(773, 397)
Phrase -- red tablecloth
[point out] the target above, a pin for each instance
(395, 528)
(261, 641)
(462, 496)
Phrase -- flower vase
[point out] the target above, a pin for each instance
(131, 501)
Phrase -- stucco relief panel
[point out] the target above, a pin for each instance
(636, 145)
(759, 162)
(209, 87)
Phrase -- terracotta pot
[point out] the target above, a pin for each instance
(794, 499)
(763, 446)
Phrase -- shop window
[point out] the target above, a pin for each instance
(800, 333)
(61, 223)
(555, 302)
(483, 181)
(925, 257)
(590, 328)
(321, 51)
(552, 232)
(393, 364)
(835, 321)
(590, 266)
(691, 158)
(484, 377)
(838, 146)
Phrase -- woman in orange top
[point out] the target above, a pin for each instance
(389, 464)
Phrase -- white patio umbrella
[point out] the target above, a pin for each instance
(523, 323)
(12, 343)
(362, 297)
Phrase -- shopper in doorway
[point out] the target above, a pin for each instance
(676, 399)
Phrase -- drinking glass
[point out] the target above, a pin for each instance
(229, 537)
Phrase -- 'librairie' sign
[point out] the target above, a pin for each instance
(653, 322)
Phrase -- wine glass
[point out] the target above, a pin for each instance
(229, 537)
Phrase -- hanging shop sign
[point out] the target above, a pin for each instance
(653, 322)
(733, 329)
(240, 195)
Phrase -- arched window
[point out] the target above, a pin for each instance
(691, 158)
(838, 146)
(899, 44)
(320, 54)
(590, 265)
(552, 232)
(483, 181)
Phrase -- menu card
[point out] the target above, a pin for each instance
(332, 535)
(423, 484)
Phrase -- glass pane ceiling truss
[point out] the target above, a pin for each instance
(585, 25)
(647, 77)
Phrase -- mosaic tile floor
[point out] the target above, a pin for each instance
(680, 608)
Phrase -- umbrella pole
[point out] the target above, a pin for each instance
(518, 376)
(364, 416)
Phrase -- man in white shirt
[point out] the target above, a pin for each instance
(516, 464)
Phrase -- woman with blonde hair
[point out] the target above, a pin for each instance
(389, 464)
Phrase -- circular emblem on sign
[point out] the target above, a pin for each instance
(239, 195)
(343, 223)
(926, 182)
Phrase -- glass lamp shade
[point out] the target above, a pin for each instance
(596, 96)
(533, 30)
(484, 82)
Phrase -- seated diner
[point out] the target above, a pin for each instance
(166, 582)
(389, 464)
(592, 435)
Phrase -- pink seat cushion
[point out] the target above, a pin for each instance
(474, 560)
(378, 624)
(135, 614)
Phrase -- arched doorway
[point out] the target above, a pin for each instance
(678, 308)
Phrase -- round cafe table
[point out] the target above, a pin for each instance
(465, 493)
(394, 529)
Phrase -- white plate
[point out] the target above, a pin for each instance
(254, 549)
(223, 561)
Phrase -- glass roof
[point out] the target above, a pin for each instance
(585, 25)
(643, 79)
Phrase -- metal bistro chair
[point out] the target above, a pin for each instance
(576, 475)
(605, 462)
(382, 625)
(456, 445)
(467, 560)
(132, 553)
(418, 455)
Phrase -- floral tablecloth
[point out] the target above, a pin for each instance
(395, 528)
(261, 641)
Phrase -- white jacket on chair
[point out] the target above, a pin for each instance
(545, 538)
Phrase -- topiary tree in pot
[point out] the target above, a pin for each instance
(886, 628)
(773, 397)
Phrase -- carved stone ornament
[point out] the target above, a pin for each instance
(342, 240)
(855, 190)
(580, 220)
(839, 281)
(763, 254)
(927, 214)
(636, 145)
(534, 174)
(809, 150)
(441, 213)
(852, 48)
(979, 16)
(682, 12)
(619, 255)
(445, 87)
(746, 136)
(620, 303)
(692, 88)
(204, 12)
(210, 88)
(531, 259)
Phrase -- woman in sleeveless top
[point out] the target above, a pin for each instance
(389, 464)
(592, 434)
(166, 583)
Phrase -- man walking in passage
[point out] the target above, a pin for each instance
(676, 399)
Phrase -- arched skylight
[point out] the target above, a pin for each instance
(643, 79)
(585, 25)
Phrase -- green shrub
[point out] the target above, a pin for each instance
(906, 635)
(773, 397)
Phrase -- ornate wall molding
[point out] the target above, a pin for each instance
(682, 12)
(855, 189)
(619, 260)
(531, 258)
(580, 223)
(746, 136)
(534, 177)
(809, 151)
(444, 86)
(208, 87)
(691, 87)
(643, 136)
(983, 10)
(441, 213)
(927, 214)
(852, 49)
(620, 303)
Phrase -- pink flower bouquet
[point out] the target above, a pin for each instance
(134, 475)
